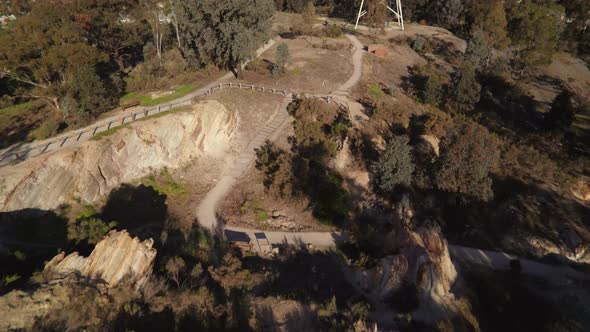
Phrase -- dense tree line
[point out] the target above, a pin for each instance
(74, 55)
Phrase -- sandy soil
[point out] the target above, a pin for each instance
(312, 67)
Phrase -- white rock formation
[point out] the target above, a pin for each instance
(422, 260)
(94, 168)
(118, 257)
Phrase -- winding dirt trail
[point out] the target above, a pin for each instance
(206, 211)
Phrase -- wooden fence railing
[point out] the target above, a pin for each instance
(16, 155)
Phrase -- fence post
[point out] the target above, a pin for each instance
(45, 148)
(230, 85)
(64, 141)
(94, 131)
(79, 136)
(109, 126)
(240, 85)
(134, 116)
(145, 112)
(123, 120)
(158, 108)
(220, 86)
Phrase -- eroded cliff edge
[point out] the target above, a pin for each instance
(92, 169)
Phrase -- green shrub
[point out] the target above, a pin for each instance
(92, 230)
(21, 256)
(468, 154)
(466, 90)
(47, 129)
(332, 31)
(282, 57)
(375, 92)
(261, 215)
(165, 184)
(421, 45)
(395, 167)
(89, 227)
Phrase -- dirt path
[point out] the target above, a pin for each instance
(206, 211)
(357, 61)
(501, 262)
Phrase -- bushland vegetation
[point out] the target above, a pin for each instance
(78, 58)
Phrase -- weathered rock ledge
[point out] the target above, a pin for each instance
(117, 259)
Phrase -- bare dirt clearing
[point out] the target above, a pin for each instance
(318, 65)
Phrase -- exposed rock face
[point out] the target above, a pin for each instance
(116, 258)
(581, 190)
(432, 142)
(94, 168)
(423, 260)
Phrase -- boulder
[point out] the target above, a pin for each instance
(581, 190)
(92, 169)
(378, 143)
(432, 142)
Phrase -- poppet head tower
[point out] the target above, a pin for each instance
(388, 4)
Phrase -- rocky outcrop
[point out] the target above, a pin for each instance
(581, 190)
(118, 257)
(94, 168)
(73, 281)
(432, 142)
(422, 262)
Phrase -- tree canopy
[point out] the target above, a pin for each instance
(535, 30)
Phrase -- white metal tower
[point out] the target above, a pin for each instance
(398, 12)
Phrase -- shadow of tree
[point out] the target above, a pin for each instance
(28, 238)
(303, 276)
(141, 210)
(265, 319)
(300, 319)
